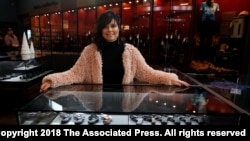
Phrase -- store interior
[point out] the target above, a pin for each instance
(166, 32)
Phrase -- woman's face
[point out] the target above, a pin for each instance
(111, 32)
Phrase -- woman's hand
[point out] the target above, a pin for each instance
(45, 85)
(178, 82)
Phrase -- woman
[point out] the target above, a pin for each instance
(109, 60)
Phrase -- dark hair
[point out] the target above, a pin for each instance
(104, 19)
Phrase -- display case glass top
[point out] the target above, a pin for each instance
(233, 87)
(136, 103)
(126, 103)
(129, 99)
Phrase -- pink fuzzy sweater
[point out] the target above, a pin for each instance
(88, 69)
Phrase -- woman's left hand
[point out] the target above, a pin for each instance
(178, 82)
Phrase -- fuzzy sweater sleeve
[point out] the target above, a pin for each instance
(81, 71)
(144, 72)
(67, 77)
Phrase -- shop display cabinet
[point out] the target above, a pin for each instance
(20, 80)
(234, 88)
(135, 104)
(20, 71)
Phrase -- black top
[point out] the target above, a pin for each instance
(113, 69)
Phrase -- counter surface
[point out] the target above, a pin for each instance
(133, 104)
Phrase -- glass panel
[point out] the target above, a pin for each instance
(56, 31)
(172, 24)
(35, 29)
(70, 30)
(45, 32)
(136, 24)
(121, 102)
(86, 22)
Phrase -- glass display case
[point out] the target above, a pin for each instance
(35, 30)
(234, 88)
(172, 30)
(70, 40)
(135, 104)
(86, 20)
(45, 33)
(20, 81)
(56, 31)
(22, 71)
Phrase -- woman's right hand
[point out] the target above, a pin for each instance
(45, 86)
